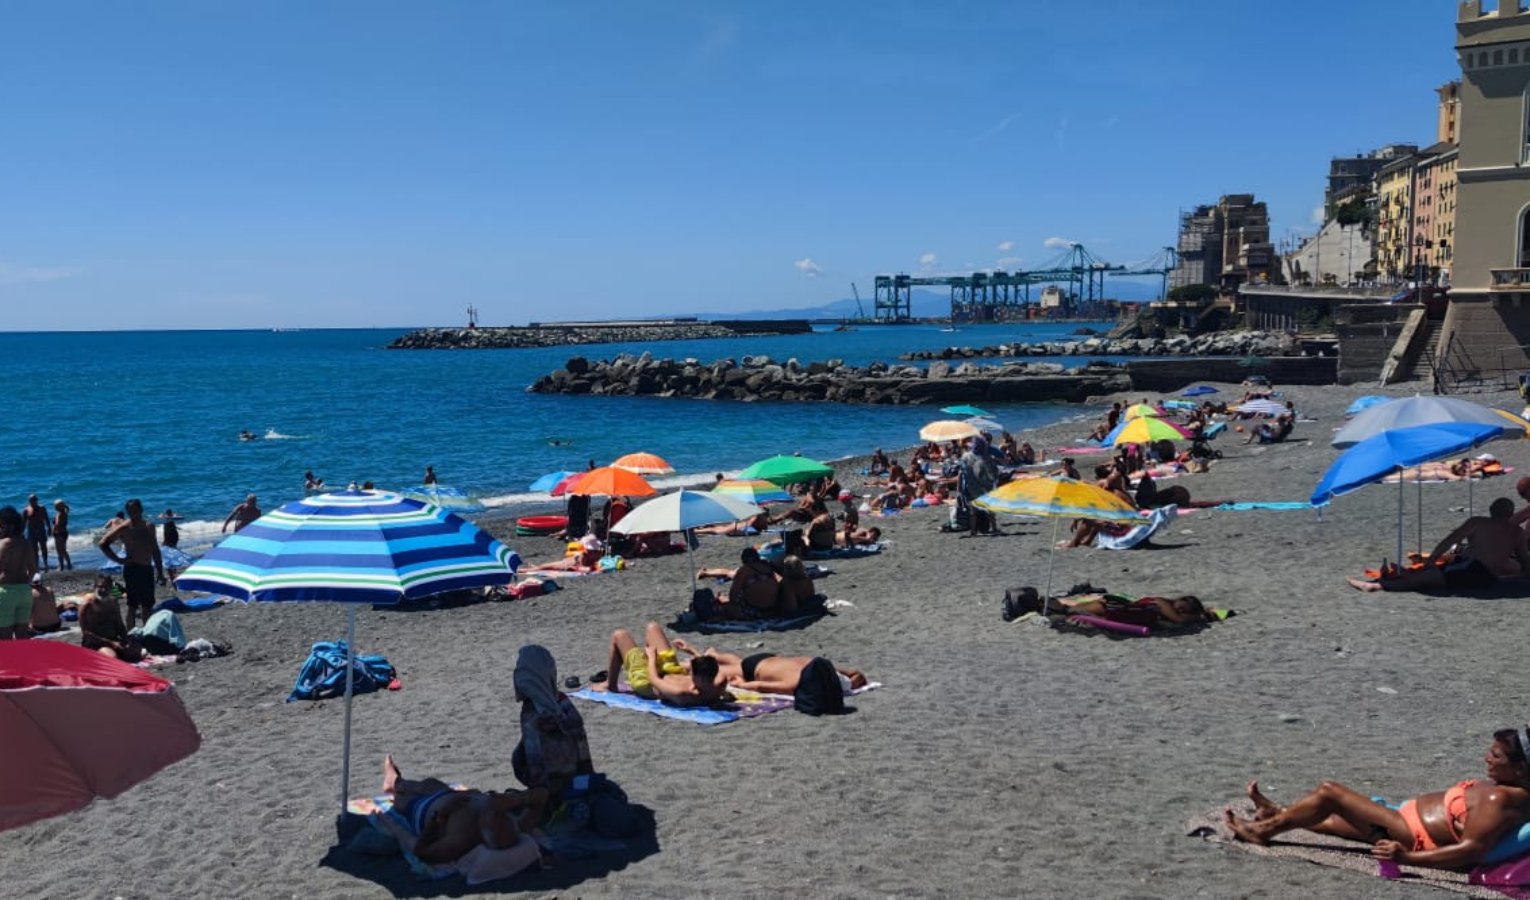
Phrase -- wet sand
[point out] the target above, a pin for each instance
(999, 759)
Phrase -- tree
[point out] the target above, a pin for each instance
(1193, 293)
(1352, 212)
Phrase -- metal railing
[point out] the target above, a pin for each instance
(1510, 279)
(1454, 371)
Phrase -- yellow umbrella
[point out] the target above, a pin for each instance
(948, 430)
(1147, 429)
(1138, 410)
(1514, 420)
(1057, 498)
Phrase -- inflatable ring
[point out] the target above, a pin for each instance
(530, 525)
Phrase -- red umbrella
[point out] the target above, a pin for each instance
(80, 725)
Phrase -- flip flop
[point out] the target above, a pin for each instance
(599, 677)
(571, 682)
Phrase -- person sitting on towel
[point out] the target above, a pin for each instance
(1450, 829)
(446, 824)
(655, 672)
(1497, 550)
(101, 626)
(767, 673)
(44, 619)
(820, 531)
(795, 589)
(554, 747)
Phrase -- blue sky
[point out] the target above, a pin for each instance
(306, 164)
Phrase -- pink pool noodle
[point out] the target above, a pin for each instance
(1096, 621)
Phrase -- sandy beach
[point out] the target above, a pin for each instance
(998, 759)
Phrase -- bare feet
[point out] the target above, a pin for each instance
(391, 774)
(1243, 831)
(1264, 807)
(1360, 584)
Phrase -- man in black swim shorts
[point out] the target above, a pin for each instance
(1498, 550)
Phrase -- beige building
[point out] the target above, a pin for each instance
(1394, 219)
(1488, 324)
(1434, 213)
(1450, 113)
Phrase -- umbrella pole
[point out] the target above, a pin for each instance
(1399, 517)
(1420, 481)
(1046, 598)
(350, 678)
(1469, 510)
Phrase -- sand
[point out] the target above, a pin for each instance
(999, 759)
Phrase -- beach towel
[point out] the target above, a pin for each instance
(1080, 451)
(1138, 535)
(1337, 853)
(192, 604)
(1270, 504)
(1214, 429)
(747, 626)
(323, 673)
(745, 705)
(855, 552)
(481, 864)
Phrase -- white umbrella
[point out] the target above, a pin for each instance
(1413, 411)
(1262, 407)
(988, 425)
(682, 511)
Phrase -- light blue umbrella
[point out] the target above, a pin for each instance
(352, 547)
(1362, 404)
(172, 557)
(1392, 451)
(1199, 390)
(547, 482)
(1416, 410)
(966, 410)
(448, 498)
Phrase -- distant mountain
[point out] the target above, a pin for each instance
(925, 304)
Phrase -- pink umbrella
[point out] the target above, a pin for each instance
(80, 725)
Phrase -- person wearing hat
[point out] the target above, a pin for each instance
(45, 618)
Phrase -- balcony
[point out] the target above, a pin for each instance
(1510, 279)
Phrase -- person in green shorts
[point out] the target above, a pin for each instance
(18, 563)
(655, 672)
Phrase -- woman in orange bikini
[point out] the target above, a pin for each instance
(1448, 829)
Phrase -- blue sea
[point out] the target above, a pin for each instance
(99, 417)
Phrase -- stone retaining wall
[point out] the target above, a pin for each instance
(590, 333)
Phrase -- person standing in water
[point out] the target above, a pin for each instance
(430, 476)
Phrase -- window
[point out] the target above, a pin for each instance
(1513, 56)
(1497, 57)
(1482, 60)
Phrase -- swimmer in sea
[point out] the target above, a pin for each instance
(246, 435)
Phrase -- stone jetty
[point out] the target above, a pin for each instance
(555, 335)
(1221, 343)
(757, 378)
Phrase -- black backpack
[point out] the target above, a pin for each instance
(818, 692)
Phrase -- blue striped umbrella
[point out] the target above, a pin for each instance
(352, 547)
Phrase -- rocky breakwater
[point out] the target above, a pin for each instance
(592, 333)
(760, 378)
(1220, 343)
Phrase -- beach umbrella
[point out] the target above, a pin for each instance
(1199, 390)
(1412, 411)
(755, 490)
(1261, 408)
(172, 557)
(1145, 430)
(610, 481)
(983, 424)
(1362, 404)
(566, 486)
(547, 482)
(1392, 451)
(784, 470)
(352, 547)
(644, 464)
(1057, 498)
(1138, 410)
(80, 725)
(948, 430)
(445, 497)
(683, 511)
(965, 410)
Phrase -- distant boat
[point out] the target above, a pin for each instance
(844, 326)
(953, 328)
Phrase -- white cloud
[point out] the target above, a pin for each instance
(809, 268)
(1319, 215)
(17, 273)
(996, 128)
(719, 39)
(1009, 262)
(1057, 243)
(927, 261)
(1006, 246)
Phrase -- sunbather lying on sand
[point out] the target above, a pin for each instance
(767, 673)
(858, 537)
(654, 671)
(740, 528)
(1442, 471)
(1449, 829)
(1149, 612)
(586, 560)
(445, 824)
(1497, 551)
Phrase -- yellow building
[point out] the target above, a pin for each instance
(1394, 219)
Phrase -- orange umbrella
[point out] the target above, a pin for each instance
(645, 464)
(612, 482)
